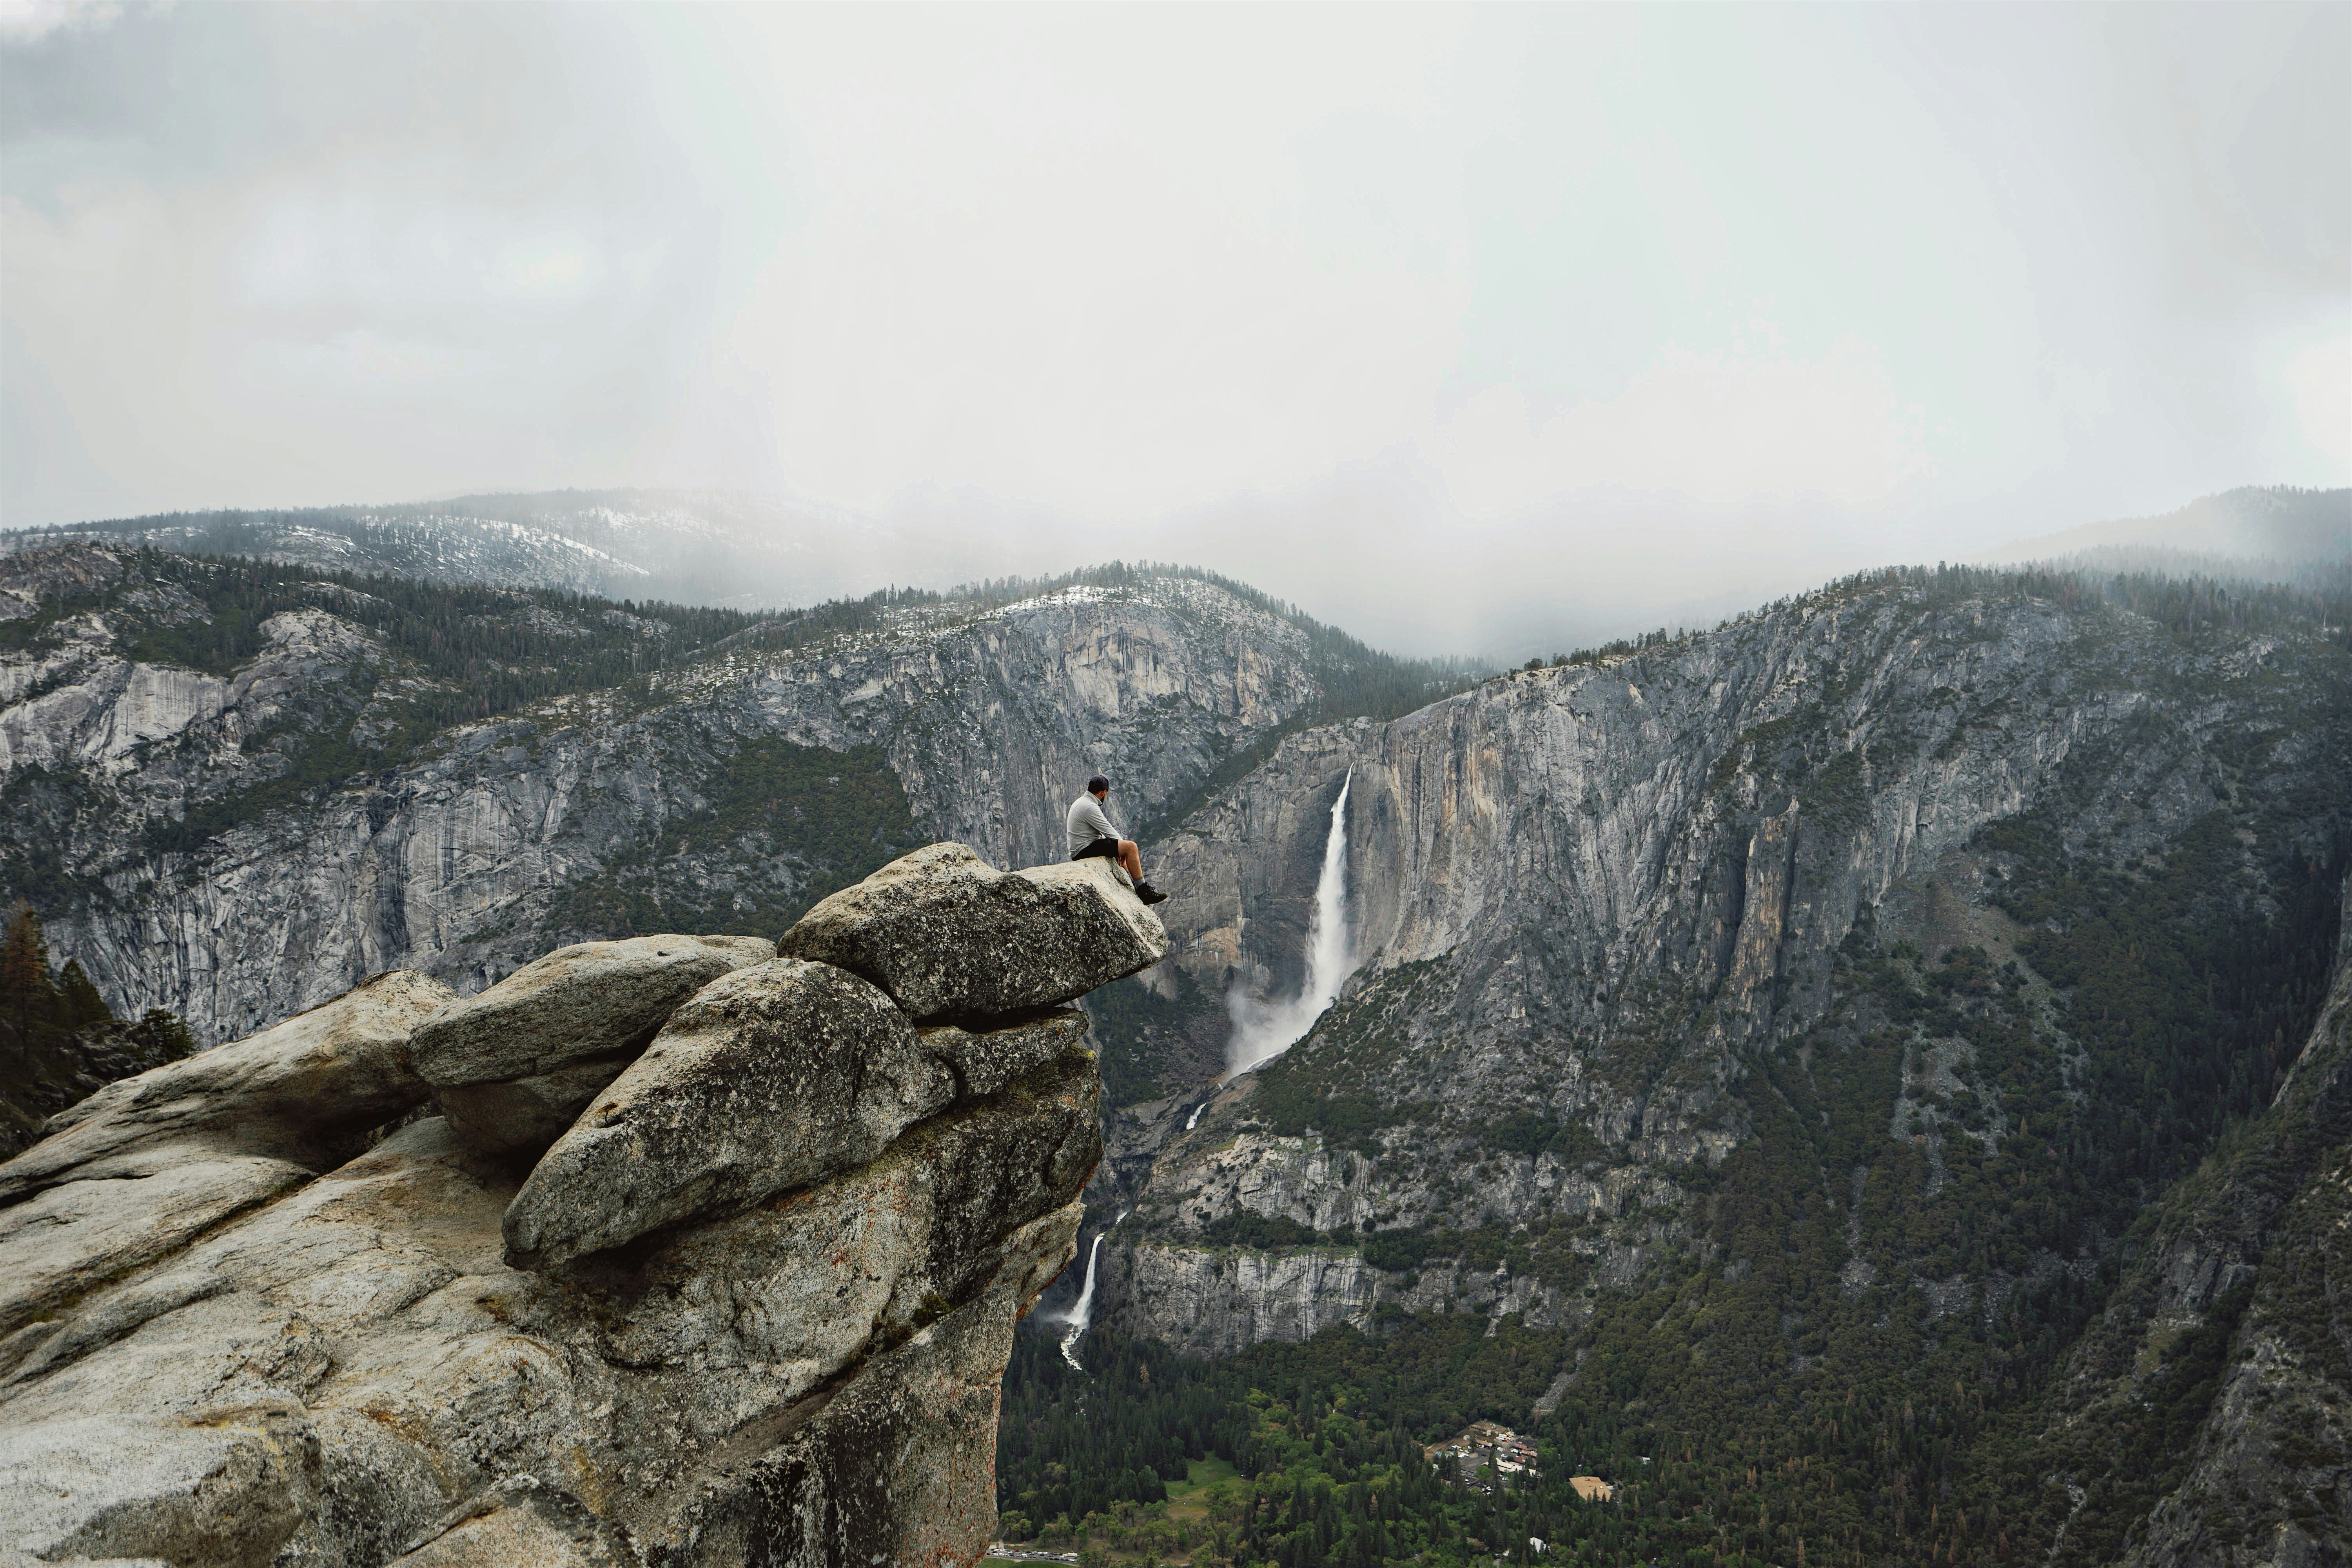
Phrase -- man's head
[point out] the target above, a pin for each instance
(1098, 786)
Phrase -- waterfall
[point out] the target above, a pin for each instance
(1083, 1313)
(1263, 1031)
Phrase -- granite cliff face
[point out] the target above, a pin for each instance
(752, 1306)
(464, 853)
(1587, 900)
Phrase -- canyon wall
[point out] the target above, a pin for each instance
(462, 856)
(1589, 897)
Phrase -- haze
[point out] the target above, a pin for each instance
(1447, 323)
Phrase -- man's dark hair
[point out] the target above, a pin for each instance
(1096, 784)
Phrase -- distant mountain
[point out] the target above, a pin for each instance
(2275, 534)
(699, 547)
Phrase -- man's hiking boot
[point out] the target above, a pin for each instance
(1150, 894)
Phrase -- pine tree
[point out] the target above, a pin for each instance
(80, 1002)
(164, 1035)
(29, 996)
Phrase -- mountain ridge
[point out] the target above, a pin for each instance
(426, 757)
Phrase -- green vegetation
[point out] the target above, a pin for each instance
(1151, 1045)
(1198, 1473)
(2187, 1015)
(59, 1041)
(1296, 1454)
(1320, 1085)
(1292, 1103)
(36, 863)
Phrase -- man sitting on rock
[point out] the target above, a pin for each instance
(1092, 834)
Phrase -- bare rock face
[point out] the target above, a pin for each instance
(529, 1112)
(770, 1078)
(951, 937)
(771, 1284)
(1533, 865)
(520, 1521)
(71, 1237)
(144, 1164)
(318, 1077)
(228, 1491)
(796, 1285)
(984, 1060)
(516, 1064)
(592, 999)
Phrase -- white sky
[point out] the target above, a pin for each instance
(1613, 294)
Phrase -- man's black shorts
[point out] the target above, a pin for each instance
(1105, 847)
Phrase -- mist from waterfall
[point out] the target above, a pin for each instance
(1083, 1313)
(1262, 1030)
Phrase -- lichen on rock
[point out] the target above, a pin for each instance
(591, 999)
(951, 937)
(771, 1077)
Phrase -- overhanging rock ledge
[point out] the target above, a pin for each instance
(752, 1307)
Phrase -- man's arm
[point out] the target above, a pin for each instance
(1097, 819)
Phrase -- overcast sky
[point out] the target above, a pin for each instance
(1620, 292)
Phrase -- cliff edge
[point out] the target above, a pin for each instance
(674, 1250)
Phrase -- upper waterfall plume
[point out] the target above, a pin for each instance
(1263, 1031)
(1082, 1314)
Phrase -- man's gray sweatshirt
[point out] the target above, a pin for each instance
(1087, 822)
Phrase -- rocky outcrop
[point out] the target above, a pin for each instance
(984, 1059)
(774, 1077)
(517, 1063)
(299, 1091)
(137, 1170)
(753, 1308)
(926, 929)
(597, 999)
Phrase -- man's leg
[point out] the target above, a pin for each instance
(1131, 859)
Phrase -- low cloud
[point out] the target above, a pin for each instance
(1594, 306)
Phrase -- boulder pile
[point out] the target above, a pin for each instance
(672, 1251)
